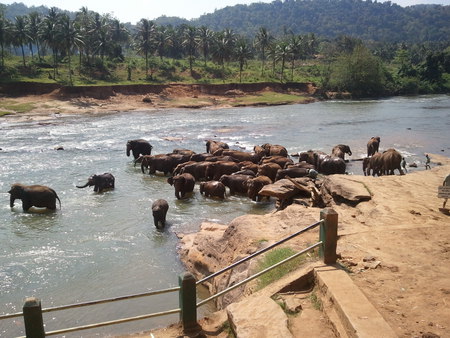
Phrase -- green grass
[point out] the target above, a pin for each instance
(269, 98)
(273, 257)
(8, 106)
(316, 301)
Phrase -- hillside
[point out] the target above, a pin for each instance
(367, 20)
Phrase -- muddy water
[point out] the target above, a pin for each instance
(105, 245)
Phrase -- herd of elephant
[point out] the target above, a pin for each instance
(220, 168)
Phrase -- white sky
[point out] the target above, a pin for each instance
(134, 10)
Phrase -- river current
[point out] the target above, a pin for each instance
(105, 245)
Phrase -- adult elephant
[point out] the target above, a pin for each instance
(280, 160)
(212, 146)
(373, 145)
(311, 156)
(340, 150)
(39, 196)
(372, 163)
(163, 163)
(391, 159)
(294, 172)
(139, 147)
(216, 169)
(254, 186)
(269, 169)
(329, 165)
(100, 182)
(236, 183)
(196, 169)
(239, 155)
(274, 150)
(159, 212)
(212, 189)
(183, 184)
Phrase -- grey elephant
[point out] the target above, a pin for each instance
(159, 212)
(100, 182)
(33, 195)
(183, 184)
(139, 147)
(390, 160)
(340, 150)
(254, 185)
(373, 145)
(212, 146)
(213, 189)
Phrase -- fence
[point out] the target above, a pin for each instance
(32, 310)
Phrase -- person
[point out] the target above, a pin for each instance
(427, 163)
(446, 183)
(404, 164)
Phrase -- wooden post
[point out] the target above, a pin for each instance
(328, 235)
(188, 303)
(32, 315)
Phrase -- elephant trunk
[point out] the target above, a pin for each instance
(11, 201)
(128, 150)
(83, 186)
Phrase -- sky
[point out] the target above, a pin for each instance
(134, 10)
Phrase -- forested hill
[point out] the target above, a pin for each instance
(368, 20)
(364, 19)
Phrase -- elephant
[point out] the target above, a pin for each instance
(247, 172)
(236, 183)
(247, 165)
(33, 195)
(139, 147)
(212, 146)
(294, 172)
(180, 166)
(268, 169)
(310, 156)
(100, 182)
(213, 189)
(340, 150)
(391, 159)
(301, 164)
(372, 163)
(216, 169)
(200, 157)
(254, 185)
(163, 163)
(280, 160)
(183, 184)
(196, 169)
(159, 212)
(239, 156)
(329, 165)
(183, 151)
(274, 150)
(373, 145)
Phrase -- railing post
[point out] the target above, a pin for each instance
(32, 315)
(328, 235)
(188, 303)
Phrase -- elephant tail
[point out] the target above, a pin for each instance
(58, 201)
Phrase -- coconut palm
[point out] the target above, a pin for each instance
(262, 41)
(282, 53)
(143, 38)
(242, 54)
(162, 40)
(5, 34)
(48, 33)
(295, 46)
(20, 37)
(204, 41)
(69, 37)
(190, 44)
(33, 23)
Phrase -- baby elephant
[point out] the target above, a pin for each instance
(212, 189)
(34, 195)
(100, 182)
(159, 211)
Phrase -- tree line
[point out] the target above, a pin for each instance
(100, 42)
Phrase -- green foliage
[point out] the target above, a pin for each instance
(316, 301)
(273, 257)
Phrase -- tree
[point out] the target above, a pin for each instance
(190, 44)
(48, 33)
(262, 41)
(5, 33)
(359, 72)
(33, 23)
(242, 54)
(144, 40)
(204, 41)
(282, 52)
(69, 37)
(20, 35)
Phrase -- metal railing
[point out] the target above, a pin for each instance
(32, 311)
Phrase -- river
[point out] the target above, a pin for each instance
(105, 245)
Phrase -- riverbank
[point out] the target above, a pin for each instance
(395, 247)
(39, 102)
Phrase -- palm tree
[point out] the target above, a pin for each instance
(282, 53)
(119, 36)
(242, 54)
(33, 23)
(69, 37)
(262, 42)
(295, 46)
(83, 20)
(5, 33)
(144, 40)
(190, 45)
(204, 40)
(20, 35)
(48, 33)
(162, 40)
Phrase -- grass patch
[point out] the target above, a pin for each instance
(3, 113)
(9, 106)
(226, 327)
(316, 301)
(269, 98)
(273, 257)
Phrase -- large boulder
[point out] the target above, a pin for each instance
(337, 189)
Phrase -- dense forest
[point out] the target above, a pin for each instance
(364, 47)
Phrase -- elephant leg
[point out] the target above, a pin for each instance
(26, 205)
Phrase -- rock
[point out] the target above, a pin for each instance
(371, 265)
(59, 148)
(343, 189)
(292, 303)
(369, 259)
(147, 99)
(258, 317)
(430, 335)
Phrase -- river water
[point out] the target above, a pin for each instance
(105, 245)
